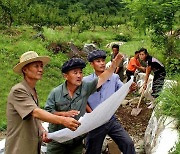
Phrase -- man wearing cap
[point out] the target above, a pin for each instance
(24, 129)
(70, 99)
(112, 128)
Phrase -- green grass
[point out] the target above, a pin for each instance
(18, 40)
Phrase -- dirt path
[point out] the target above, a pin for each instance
(135, 125)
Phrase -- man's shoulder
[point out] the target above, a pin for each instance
(88, 78)
(132, 59)
(58, 88)
(114, 76)
(18, 86)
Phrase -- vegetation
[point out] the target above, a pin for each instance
(19, 39)
(170, 99)
(170, 104)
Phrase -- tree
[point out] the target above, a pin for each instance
(13, 11)
(94, 19)
(83, 24)
(157, 16)
(74, 13)
(43, 15)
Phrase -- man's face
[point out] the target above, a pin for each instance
(99, 64)
(74, 76)
(34, 70)
(115, 51)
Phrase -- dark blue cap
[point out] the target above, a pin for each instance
(72, 64)
(96, 54)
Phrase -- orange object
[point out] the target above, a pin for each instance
(132, 64)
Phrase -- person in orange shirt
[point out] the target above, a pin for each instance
(133, 65)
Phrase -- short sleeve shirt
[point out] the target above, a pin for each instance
(59, 100)
(107, 89)
(132, 63)
(22, 128)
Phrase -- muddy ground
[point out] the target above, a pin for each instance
(134, 125)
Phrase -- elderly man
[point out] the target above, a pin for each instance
(112, 128)
(70, 99)
(24, 129)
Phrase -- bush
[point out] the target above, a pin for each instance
(170, 106)
(172, 65)
(170, 99)
(124, 38)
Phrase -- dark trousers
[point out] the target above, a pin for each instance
(114, 129)
(129, 74)
(61, 148)
(158, 82)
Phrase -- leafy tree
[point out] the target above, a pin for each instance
(104, 21)
(74, 13)
(13, 11)
(83, 24)
(157, 16)
(116, 21)
(94, 19)
(43, 15)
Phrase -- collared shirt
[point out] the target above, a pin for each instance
(22, 128)
(107, 89)
(59, 100)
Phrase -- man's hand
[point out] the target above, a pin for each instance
(133, 87)
(44, 137)
(71, 113)
(70, 123)
(117, 60)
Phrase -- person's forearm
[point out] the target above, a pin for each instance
(108, 73)
(105, 75)
(59, 113)
(48, 117)
(148, 71)
(141, 68)
(43, 115)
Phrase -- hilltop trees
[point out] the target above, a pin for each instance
(158, 17)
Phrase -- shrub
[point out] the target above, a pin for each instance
(172, 65)
(124, 38)
(171, 106)
(170, 99)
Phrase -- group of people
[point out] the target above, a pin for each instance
(67, 103)
(152, 64)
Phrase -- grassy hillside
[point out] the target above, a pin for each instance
(17, 40)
